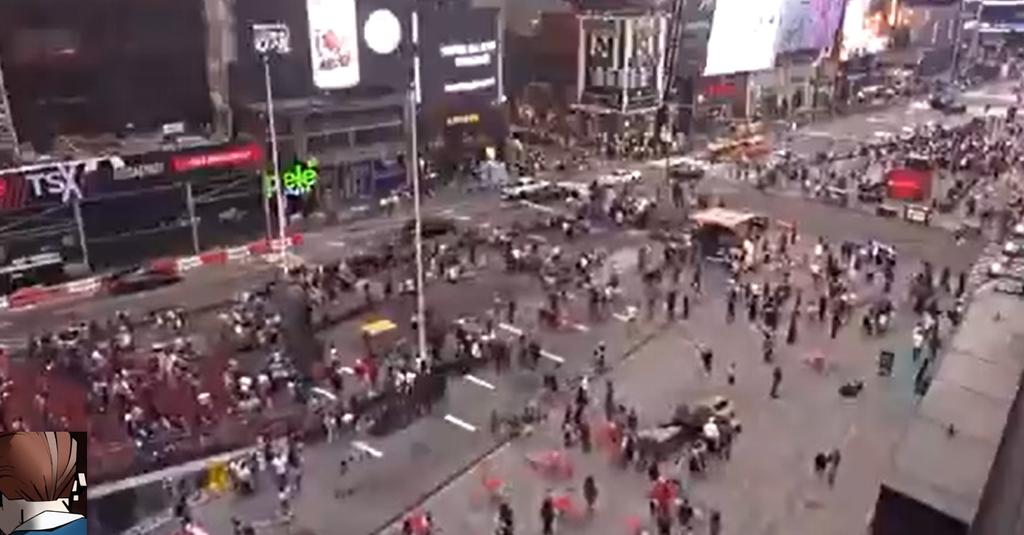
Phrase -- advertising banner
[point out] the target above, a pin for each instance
(693, 48)
(333, 43)
(82, 180)
(809, 24)
(863, 32)
(743, 36)
(906, 184)
(459, 54)
(1001, 17)
(248, 155)
(336, 45)
(646, 50)
(604, 60)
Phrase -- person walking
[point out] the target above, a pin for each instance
(833, 467)
(776, 381)
(506, 521)
(715, 523)
(590, 493)
(547, 515)
(706, 358)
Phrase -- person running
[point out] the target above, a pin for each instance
(590, 492)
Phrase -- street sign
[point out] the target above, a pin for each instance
(274, 38)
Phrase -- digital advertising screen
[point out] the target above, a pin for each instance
(809, 24)
(1005, 17)
(863, 31)
(336, 45)
(604, 60)
(743, 35)
(693, 48)
(459, 54)
(333, 43)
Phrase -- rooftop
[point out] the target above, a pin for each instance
(973, 391)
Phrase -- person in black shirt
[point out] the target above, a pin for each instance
(547, 515)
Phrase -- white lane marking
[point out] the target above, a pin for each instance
(539, 207)
(362, 446)
(935, 32)
(462, 218)
(581, 327)
(537, 238)
(478, 381)
(336, 243)
(325, 393)
(551, 356)
(621, 317)
(460, 423)
(511, 328)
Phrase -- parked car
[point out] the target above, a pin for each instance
(1006, 268)
(433, 227)
(947, 103)
(619, 177)
(686, 172)
(135, 280)
(1013, 248)
(526, 188)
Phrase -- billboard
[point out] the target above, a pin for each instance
(693, 46)
(65, 182)
(459, 54)
(333, 43)
(1002, 17)
(743, 35)
(864, 31)
(809, 24)
(337, 45)
(604, 61)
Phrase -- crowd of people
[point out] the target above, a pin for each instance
(779, 282)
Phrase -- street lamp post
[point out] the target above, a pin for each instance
(274, 39)
(412, 166)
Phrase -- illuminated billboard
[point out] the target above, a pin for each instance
(333, 43)
(743, 35)
(864, 32)
(459, 54)
(809, 24)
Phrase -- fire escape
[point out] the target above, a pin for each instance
(8, 137)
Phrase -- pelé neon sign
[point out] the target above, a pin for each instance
(299, 179)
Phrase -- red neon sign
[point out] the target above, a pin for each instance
(249, 155)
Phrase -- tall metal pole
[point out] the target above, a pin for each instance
(76, 207)
(413, 167)
(278, 189)
(190, 203)
(265, 191)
